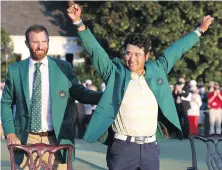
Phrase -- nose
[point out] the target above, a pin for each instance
(132, 57)
(40, 45)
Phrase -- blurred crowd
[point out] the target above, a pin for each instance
(199, 107)
(1, 129)
(82, 113)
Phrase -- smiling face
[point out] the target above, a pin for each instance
(38, 44)
(137, 51)
(135, 58)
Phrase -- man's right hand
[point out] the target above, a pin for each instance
(74, 12)
(13, 139)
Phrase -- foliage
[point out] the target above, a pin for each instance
(83, 74)
(6, 52)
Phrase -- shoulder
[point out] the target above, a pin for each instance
(119, 65)
(63, 65)
(116, 60)
(152, 63)
(16, 65)
(59, 61)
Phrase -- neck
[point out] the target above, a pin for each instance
(140, 72)
(37, 60)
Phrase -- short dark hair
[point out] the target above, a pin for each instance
(36, 27)
(140, 40)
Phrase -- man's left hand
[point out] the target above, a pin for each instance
(206, 22)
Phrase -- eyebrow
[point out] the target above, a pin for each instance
(40, 41)
(135, 52)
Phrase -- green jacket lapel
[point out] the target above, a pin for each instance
(53, 78)
(24, 73)
(57, 83)
(149, 74)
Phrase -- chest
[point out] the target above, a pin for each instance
(44, 76)
(138, 93)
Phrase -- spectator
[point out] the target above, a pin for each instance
(80, 126)
(1, 131)
(88, 107)
(193, 83)
(194, 111)
(203, 109)
(211, 86)
(172, 87)
(94, 88)
(1, 128)
(88, 114)
(103, 87)
(182, 99)
(88, 83)
(215, 105)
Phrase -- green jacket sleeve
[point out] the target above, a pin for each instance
(6, 105)
(172, 54)
(100, 59)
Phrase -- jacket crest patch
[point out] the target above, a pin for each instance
(62, 94)
(160, 81)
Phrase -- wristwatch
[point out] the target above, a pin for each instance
(78, 23)
(200, 30)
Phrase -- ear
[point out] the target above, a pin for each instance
(27, 44)
(147, 56)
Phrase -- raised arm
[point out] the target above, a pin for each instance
(97, 54)
(172, 54)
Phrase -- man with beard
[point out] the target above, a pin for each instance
(40, 87)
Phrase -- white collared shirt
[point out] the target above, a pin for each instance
(46, 102)
(138, 111)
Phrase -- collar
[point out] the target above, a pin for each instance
(44, 61)
(136, 76)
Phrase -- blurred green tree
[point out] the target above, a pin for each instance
(6, 52)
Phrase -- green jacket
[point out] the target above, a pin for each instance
(117, 77)
(16, 92)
